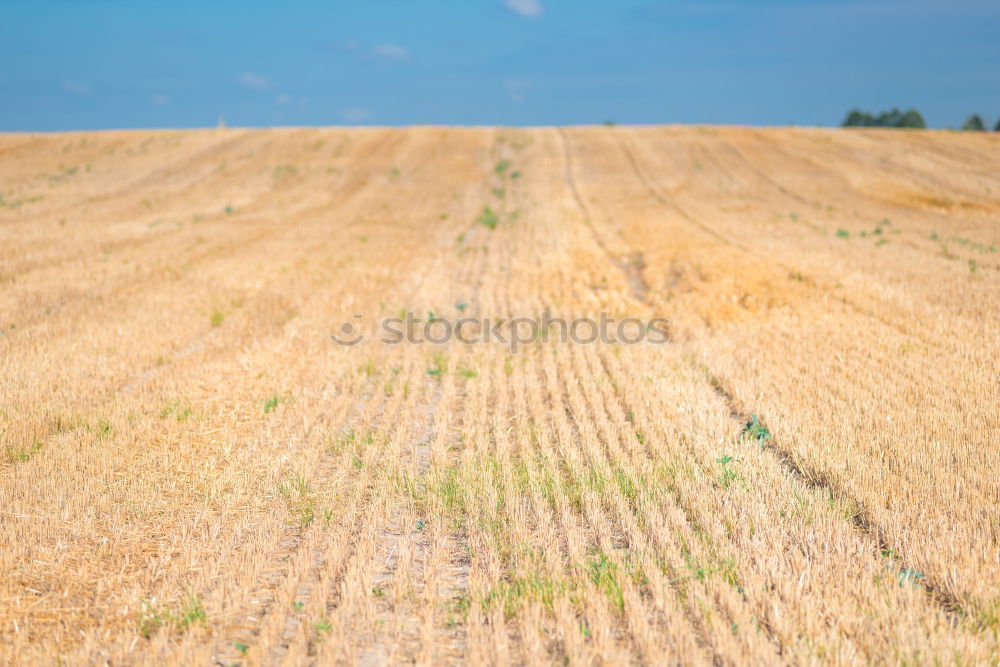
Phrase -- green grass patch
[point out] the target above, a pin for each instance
(488, 218)
(300, 499)
(188, 613)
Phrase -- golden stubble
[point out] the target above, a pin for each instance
(192, 471)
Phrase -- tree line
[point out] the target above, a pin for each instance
(910, 118)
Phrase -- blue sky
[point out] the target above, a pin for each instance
(78, 64)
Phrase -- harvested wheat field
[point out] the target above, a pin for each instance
(193, 471)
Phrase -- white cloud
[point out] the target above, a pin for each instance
(516, 90)
(391, 52)
(283, 98)
(159, 99)
(531, 9)
(77, 87)
(356, 115)
(254, 81)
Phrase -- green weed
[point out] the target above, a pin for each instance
(192, 613)
(299, 498)
(488, 218)
(727, 476)
(756, 430)
(448, 489)
(440, 366)
(104, 429)
(603, 573)
(283, 170)
(512, 595)
(322, 627)
(188, 613)
(24, 452)
(18, 202)
(908, 576)
(626, 486)
(151, 619)
(179, 412)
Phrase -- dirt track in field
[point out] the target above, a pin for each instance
(191, 469)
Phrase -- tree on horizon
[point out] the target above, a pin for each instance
(895, 118)
(974, 124)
